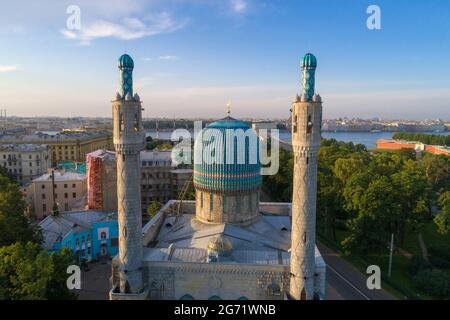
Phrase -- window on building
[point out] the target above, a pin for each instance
(66, 195)
(309, 125)
(211, 201)
(122, 123)
(44, 207)
(65, 186)
(103, 235)
(73, 185)
(43, 196)
(66, 207)
(201, 199)
(295, 123)
(74, 195)
(136, 123)
(43, 186)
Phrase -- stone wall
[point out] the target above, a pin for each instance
(240, 209)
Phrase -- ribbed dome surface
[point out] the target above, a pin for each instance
(309, 61)
(226, 157)
(125, 62)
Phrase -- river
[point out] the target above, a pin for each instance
(367, 138)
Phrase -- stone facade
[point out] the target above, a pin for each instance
(240, 208)
(24, 162)
(69, 193)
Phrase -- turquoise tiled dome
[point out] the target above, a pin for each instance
(309, 61)
(223, 165)
(126, 62)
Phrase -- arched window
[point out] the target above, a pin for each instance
(136, 123)
(187, 297)
(309, 125)
(211, 201)
(122, 123)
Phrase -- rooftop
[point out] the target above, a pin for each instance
(61, 176)
(62, 136)
(266, 242)
(23, 147)
(55, 228)
(156, 155)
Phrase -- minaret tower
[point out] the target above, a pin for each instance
(129, 140)
(306, 127)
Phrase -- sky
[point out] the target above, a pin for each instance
(193, 56)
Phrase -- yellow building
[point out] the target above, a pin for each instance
(67, 145)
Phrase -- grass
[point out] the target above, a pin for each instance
(430, 236)
(400, 284)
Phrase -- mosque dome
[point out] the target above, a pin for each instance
(226, 158)
(309, 61)
(126, 62)
(220, 244)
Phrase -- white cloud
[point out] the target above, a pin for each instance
(168, 57)
(4, 68)
(239, 6)
(128, 29)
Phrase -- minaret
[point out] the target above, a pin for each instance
(306, 127)
(128, 141)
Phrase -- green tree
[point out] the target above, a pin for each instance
(153, 209)
(442, 219)
(437, 169)
(28, 272)
(14, 226)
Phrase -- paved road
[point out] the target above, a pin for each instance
(345, 282)
(95, 282)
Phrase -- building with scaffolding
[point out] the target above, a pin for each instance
(161, 180)
(101, 179)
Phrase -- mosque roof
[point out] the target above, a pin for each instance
(265, 242)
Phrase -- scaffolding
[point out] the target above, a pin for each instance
(100, 166)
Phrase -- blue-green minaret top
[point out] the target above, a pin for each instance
(309, 65)
(126, 66)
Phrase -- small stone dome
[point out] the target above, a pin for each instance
(136, 97)
(309, 61)
(220, 244)
(126, 62)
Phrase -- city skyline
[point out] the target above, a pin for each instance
(194, 57)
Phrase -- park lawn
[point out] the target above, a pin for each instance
(400, 276)
(430, 236)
